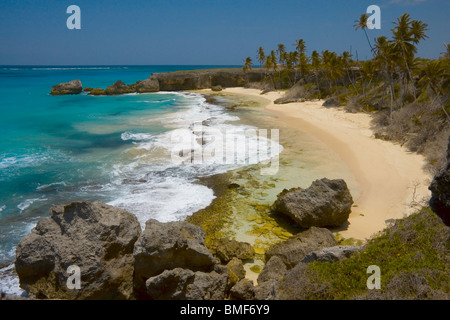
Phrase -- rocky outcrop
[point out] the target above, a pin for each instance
(294, 250)
(166, 246)
(119, 88)
(184, 284)
(150, 84)
(332, 254)
(217, 88)
(326, 203)
(331, 103)
(296, 285)
(440, 192)
(243, 290)
(236, 271)
(217, 79)
(96, 238)
(284, 100)
(203, 79)
(97, 92)
(226, 249)
(274, 269)
(71, 87)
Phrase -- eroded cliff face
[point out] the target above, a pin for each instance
(170, 81)
(440, 191)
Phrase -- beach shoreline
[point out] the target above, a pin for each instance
(392, 180)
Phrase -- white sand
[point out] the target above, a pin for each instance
(391, 179)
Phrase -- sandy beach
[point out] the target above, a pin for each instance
(391, 180)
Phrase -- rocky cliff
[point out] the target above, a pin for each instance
(171, 81)
(440, 192)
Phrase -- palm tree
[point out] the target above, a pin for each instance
(434, 73)
(407, 34)
(315, 64)
(385, 56)
(261, 56)
(446, 54)
(303, 60)
(248, 64)
(300, 46)
(271, 63)
(273, 59)
(362, 23)
(281, 50)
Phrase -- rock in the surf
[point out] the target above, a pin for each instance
(71, 87)
(119, 88)
(94, 238)
(150, 84)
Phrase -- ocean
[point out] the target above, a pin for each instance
(115, 149)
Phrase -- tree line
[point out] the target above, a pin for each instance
(394, 67)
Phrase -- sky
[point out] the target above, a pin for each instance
(199, 32)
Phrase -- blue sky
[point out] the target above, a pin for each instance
(151, 32)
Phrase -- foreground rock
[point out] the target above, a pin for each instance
(326, 203)
(332, 254)
(226, 249)
(72, 87)
(95, 237)
(294, 250)
(184, 284)
(167, 246)
(440, 192)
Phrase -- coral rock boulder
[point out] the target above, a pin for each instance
(96, 238)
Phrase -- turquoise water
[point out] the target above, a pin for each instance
(56, 149)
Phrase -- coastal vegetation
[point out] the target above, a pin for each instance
(408, 95)
(412, 255)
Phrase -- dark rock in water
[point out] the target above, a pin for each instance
(97, 92)
(119, 88)
(331, 102)
(440, 192)
(332, 254)
(87, 89)
(293, 250)
(233, 186)
(226, 250)
(72, 87)
(274, 269)
(183, 284)
(216, 88)
(150, 84)
(95, 237)
(166, 246)
(243, 290)
(326, 203)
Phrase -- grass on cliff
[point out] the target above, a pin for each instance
(413, 256)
